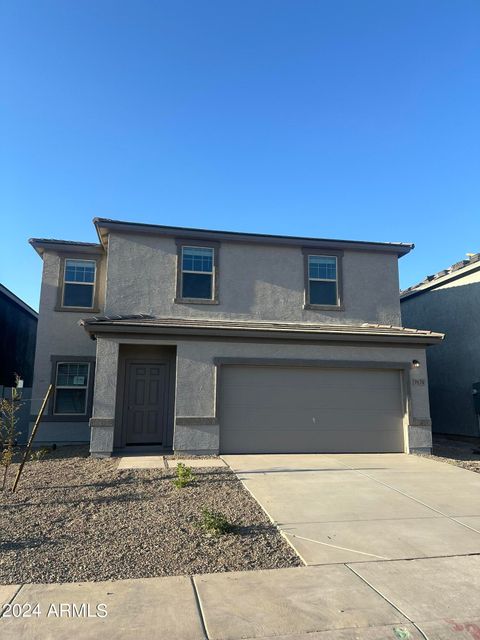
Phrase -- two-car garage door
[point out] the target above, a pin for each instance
(277, 409)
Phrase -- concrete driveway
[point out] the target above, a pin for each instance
(366, 507)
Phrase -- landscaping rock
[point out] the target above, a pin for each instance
(76, 518)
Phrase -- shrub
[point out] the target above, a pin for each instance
(8, 430)
(215, 523)
(38, 454)
(184, 476)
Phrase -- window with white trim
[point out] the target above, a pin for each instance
(79, 283)
(71, 388)
(323, 280)
(197, 273)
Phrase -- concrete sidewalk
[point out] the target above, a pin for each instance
(367, 601)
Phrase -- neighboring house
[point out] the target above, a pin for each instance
(18, 330)
(212, 341)
(449, 301)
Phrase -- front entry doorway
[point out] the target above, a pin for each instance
(147, 388)
(147, 397)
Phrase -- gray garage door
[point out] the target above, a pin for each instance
(273, 409)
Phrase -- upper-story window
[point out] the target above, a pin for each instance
(79, 283)
(197, 273)
(323, 280)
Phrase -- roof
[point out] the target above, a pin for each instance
(105, 225)
(40, 244)
(457, 270)
(23, 305)
(144, 323)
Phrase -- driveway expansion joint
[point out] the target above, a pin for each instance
(334, 546)
(12, 598)
(422, 633)
(199, 607)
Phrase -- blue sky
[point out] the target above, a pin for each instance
(346, 119)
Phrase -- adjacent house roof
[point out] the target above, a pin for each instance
(40, 244)
(144, 323)
(456, 271)
(105, 225)
(23, 305)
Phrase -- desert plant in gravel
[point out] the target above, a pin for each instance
(214, 523)
(184, 476)
(8, 431)
(38, 454)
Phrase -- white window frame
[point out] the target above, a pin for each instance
(89, 284)
(320, 255)
(208, 273)
(66, 386)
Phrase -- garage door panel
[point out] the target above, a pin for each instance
(293, 409)
(327, 398)
(329, 376)
(291, 418)
(280, 441)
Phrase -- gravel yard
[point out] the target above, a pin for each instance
(76, 518)
(461, 453)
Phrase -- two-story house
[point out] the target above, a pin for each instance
(213, 341)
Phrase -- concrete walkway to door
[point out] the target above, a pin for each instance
(366, 507)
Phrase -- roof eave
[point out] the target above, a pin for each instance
(104, 226)
(97, 328)
(41, 245)
(18, 301)
(439, 282)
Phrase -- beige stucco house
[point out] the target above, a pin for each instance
(210, 341)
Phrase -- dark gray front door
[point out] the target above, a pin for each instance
(146, 410)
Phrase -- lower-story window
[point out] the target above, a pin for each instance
(71, 388)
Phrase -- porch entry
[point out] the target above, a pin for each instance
(148, 390)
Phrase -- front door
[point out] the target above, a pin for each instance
(146, 402)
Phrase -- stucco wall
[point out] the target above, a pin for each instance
(197, 427)
(58, 333)
(196, 371)
(453, 365)
(257, 282)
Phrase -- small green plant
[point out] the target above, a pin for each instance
(8, 430)
(214, 523)
(38, 454)
(184, 476)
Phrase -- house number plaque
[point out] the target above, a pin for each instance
(420, 382)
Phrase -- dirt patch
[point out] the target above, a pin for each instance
(76, 518)
(461, 453)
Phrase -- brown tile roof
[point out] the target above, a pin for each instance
(67, 242)
(142, 321)
(52, 244)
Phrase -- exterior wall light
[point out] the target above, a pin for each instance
(415, 364)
